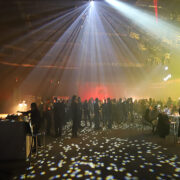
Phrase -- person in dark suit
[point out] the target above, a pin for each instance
(63, 113)
(104, 113)
(57, 118)
(74, 111)
(86, 112)
(163, 126)
(97, 114)
(48, 116)
(109, 113)
(120, 110)
(35, 119)
(79, 112)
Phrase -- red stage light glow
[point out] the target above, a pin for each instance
(156, 9)
(94, 91)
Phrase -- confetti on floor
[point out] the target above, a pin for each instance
(99, 155)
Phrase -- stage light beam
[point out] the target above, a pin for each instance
(162, 30)
(92, 3)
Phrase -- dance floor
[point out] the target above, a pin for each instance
(120, 153)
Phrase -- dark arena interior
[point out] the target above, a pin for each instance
(90, 89)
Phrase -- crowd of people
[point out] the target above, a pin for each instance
(55, 113)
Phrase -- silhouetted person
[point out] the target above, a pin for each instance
(147, 115)
(41, 110)
(104, 113)
(79, 111)
(153, 118)
(57, 119)
(114, 111)
(131, 109)
(91, 110)
(68, 111)
(97, 114)
(48, 116)
(109, 113)
(120, 110)
(125, 110)
(63, 113)
(74, 111)
(163, 126)
(35, 121)
(169, 102)
(86, 112)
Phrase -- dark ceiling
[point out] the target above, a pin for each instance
(19, 18)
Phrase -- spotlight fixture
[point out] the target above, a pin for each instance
(91, 2)
(169, 76)
(166, 68)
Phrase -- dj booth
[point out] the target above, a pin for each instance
(15, 142)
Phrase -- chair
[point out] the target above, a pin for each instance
(35, 137)
(39, 134)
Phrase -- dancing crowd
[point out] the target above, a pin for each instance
(55, 113)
